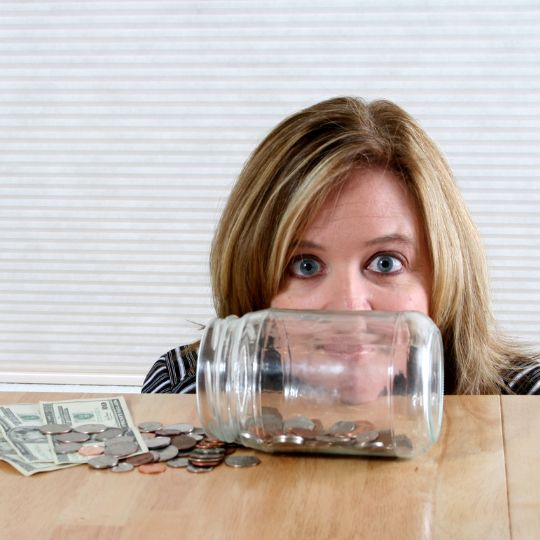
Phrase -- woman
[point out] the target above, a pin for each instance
(348, 205)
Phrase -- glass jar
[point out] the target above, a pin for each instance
(352, 382)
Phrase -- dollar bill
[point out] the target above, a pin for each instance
(111, 412)
(20, 423)
(10, 456)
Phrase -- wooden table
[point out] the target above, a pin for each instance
(481, 480)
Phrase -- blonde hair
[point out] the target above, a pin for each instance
(305, 160)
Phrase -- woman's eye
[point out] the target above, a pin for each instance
(305, 267)
(385, 264)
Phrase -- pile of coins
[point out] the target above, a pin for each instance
(175, 445)
(270, 432)
(113, 443)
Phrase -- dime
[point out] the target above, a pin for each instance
(177, 463)
(170, 452)
(102, 462)
(90, 428)
(241, 462)
(158, 442)
(54, 429)
(153, 468)
(183, 442)
(155, 455)
(91, 450)
(110, 433)
(122, 467)
(67, 448)
(145, 427)
(140, 459)
(71, 437)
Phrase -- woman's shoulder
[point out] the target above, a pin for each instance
(524, 379)
(174, 373)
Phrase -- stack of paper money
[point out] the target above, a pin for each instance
(26, 448)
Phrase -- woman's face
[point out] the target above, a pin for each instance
(365, 250)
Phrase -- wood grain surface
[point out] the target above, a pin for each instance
(521, 431)
(456, 490)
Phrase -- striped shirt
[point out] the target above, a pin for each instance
(175, 373)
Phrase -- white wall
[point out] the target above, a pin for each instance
(123, 124)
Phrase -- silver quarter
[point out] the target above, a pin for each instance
(182, 428)
(158, 442)
(67, 448)
(121, 449)
(122, 467)
(110, 433)
(167, 453)
(55, 429)
(242, 462)
(147, 427)
(103, 462)
(178, 463)
(71, 437)
(90, 428)
(119, 439)
(168, 432)
(199, 470)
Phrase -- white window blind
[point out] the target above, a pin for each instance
(123, 124)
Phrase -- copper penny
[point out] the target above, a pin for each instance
(153, 468)
(140, 459)
(91, 450)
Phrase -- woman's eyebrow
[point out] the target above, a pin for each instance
(399, 238)
(308, 244)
